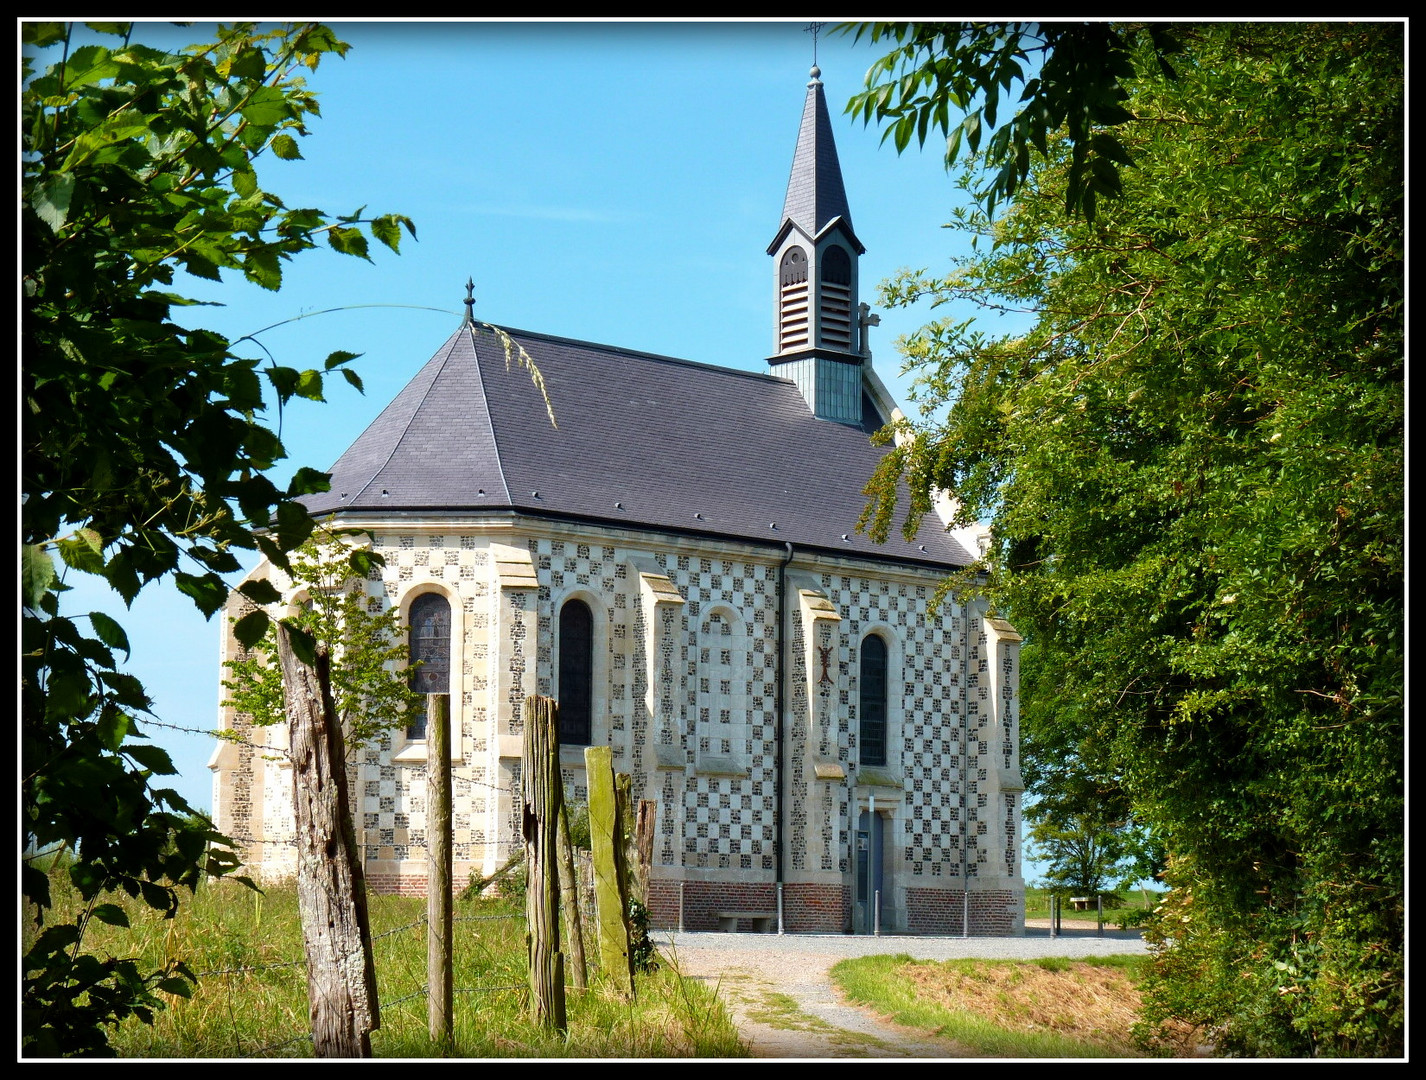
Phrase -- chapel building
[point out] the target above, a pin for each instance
(678, 564)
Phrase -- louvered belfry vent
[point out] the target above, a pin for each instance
(816, 338)
(792, 307)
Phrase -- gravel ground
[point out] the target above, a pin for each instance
(780, 992)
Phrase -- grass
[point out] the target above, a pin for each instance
(1054, 1008)
(251, 1000)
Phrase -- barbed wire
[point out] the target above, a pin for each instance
(485, 918)
(246, 969)
(422, 921)
(422, 992)
(307, 1037)
(232, 736)
(399, 930)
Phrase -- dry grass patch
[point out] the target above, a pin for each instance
(1083, 1001)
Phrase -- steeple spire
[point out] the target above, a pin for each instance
(815, 193)
(817, 341)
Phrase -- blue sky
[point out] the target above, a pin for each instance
(611, 182)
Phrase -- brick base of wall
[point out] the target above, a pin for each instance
(806, 908)
(941, 911)
(396, 884)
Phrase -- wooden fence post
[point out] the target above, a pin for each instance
(643, 848)
(439, 977)
(331, 891)
(570, 901)
(543, 792)
(611, 898)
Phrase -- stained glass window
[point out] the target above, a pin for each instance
(430, 622)
(872, 703)
(576, 677)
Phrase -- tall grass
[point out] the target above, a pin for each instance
(251, 1000)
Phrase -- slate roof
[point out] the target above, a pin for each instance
(643, 441)
(816, 196)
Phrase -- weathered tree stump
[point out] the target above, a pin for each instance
(543, 793)
(642, 860)
(570, 902)
(331, 892)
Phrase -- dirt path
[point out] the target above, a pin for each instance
(785, 1005)
(802, 1015)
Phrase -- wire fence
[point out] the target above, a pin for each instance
(466, 783)
(385, 936)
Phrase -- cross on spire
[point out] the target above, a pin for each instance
(813, 29)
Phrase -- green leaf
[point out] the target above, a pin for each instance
(308, 481)
(114, 724)
(176, 987)
(67, 695)
(51, 200)
(387, 229)
(110, 914)
(266, 107)
(36, 574)
(284, 381)
(304, 645)
(251, 628)
(309, 385)
(338, 358)
(348, 241)
(260, 591)
(41, 34)
(109, 631)
(294, 525)
(153, 758)
(263, 266)
(285, 147)
(208, 592)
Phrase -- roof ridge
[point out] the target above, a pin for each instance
(637, 353)
(489, 416)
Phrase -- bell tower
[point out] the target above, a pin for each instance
(817, 334)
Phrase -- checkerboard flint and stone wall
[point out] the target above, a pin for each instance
(686, 691)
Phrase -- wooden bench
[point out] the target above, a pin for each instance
(1082, 903)
(764, 922)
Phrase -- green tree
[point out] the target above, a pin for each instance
(1192, 460)
(1088, 854)
(144, 446)
(1071, 76)
(367, 648)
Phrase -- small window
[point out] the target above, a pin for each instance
(872, 704)
(576, 674)
(430, 621)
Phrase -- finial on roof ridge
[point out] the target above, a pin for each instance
(814, 76)
(469, 302)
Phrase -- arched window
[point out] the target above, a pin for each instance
(576, 676)
(430, 622)
(836, 266)
(872, 703)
